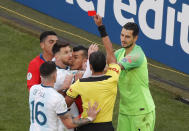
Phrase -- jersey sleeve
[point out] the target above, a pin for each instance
(88, 72)
(132, 60)
(114, 71)
(33, 75)
(73, 91)
(61, 106)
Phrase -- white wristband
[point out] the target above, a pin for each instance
(90, 118)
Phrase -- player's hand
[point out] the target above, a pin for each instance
(92, 48)
(78, 75)
(67, 82)
(98, 20)
(84, 66)
(92, 110)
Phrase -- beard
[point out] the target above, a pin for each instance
(127, 46)
(68, 63)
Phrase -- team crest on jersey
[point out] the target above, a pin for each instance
(124, 59)
(127, 58)
(29, 76)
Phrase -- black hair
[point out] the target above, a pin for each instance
(47, 68)
(45, 34)
(132, 26)
(98, 61)
(82, 48)
(57, 46)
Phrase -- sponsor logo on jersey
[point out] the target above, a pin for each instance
(114, 69)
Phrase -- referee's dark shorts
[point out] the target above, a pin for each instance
(104, 126)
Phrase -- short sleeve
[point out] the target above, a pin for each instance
(33, 75)
(114, 71)
(61, 106)
(73, 91)
(132, 60)
(88, 72)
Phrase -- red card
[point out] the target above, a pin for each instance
(91, 13)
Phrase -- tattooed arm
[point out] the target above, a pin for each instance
(71, 122)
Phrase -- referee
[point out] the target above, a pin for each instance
(100, 87)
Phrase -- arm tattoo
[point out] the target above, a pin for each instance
(77, 122)
(81, 121)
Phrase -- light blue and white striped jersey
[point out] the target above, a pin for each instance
(61, 75)
(46, 104)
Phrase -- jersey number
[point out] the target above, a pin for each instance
(38, 113)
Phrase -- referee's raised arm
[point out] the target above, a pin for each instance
(105, 39)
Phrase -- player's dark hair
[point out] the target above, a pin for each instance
(44, 35)
(57, 46)
(47, 68)
(81, 48)
(98, 61)
(132, 26)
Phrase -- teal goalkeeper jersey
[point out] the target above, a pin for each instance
(135, 96)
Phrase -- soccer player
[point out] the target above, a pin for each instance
(47, 40)
(63, 55)
(100, 87)
(80, 56)
(47, 105)
(137, 109)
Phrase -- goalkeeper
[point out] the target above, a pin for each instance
(136, 109)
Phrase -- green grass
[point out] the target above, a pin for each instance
(20, 45)
(16, 50)
(171, 115)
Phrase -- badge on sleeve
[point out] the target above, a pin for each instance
(29, 76)
(124, 59)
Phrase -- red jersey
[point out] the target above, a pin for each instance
(79, 102)
(33, 75)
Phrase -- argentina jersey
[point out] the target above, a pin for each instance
(61, 75)
(45, 106)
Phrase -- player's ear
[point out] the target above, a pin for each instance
(135, 38)
(54, 75)
(42, 45)
(56, 55)
(91, 68)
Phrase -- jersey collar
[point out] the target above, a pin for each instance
(41, 57)
(67, 67)
(46, 86)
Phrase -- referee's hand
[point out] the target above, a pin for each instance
(92, 110)
(98, 20)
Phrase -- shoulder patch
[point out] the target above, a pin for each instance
(29, 76)
(124, 59)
